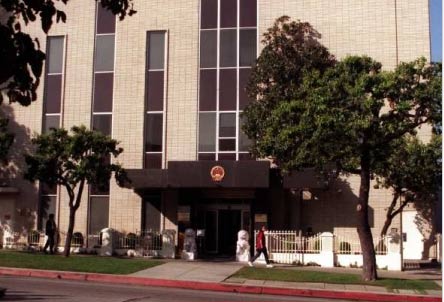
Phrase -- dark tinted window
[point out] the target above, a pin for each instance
(155, 91)
(95, 190)
(244, 75)
(106, 21)
(104, 57)
(227, 145)
(228, 48)
(227, 156)
(98, 214)
(248, 13)
(245, 156)
(227, 125)
(153, 133)
(53, 95)
(247, 47)
(208, 14)
(207, 95)
(156, 54)
(153, 161)
(103, 92)
(228, 13)
(47, 206)
(51, 121)
(55, 54)
(207, 132)
(227, 89)
(207, 156)
(102, 123)
(208, 48)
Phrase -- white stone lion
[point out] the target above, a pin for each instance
(189, 243)
(242, 247)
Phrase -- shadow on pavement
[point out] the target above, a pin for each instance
(25, 296)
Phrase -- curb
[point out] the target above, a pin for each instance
(211, 286)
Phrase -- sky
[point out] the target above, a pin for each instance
(436, 29)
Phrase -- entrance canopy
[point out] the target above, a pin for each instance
(203, 174)
(221, 174)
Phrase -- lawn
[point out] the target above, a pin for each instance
(336, 278)
(75, 263)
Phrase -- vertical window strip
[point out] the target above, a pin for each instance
(52, 112)
(54, 78)
(241, 34)
(102, 108)
(155, 83)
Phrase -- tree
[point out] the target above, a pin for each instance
(21, 59)
(20, 55)
(413, 171)
(290, 50)
(73, 161)
(6, 139)
(348, 114)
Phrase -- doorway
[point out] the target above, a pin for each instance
(221, 222)
(229, 223)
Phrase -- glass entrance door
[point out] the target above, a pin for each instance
(229, 223)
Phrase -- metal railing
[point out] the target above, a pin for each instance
(147, 242)
(291, 242)
(350, 245)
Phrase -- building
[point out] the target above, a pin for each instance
(168, 84)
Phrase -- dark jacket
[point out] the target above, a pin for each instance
(260, 240)
(50, 227)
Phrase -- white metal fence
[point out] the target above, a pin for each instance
(292, 242)
(147, 243)
(351, 245)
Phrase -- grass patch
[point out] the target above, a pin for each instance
(75, 263)
(334, 278)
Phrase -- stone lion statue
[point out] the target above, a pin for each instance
(189, 243)
(242, 247)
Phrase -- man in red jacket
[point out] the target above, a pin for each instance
(260, 247)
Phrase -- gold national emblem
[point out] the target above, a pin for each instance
(217, 173)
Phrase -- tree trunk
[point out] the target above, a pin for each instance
(389, 216)
(363, 226)
(72, 216)
(387, 223)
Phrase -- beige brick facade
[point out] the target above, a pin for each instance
(388, 31)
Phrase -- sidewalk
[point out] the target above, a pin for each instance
(201, 275)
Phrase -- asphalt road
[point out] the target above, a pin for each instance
(34, 289)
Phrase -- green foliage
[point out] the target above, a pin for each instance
(300, 275)
(6, 139)
(72, 161)
(20, 55)
(67, 160)
(413, 169)
(311, 111)
(291, 49)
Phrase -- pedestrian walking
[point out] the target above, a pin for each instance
(50, 231)
(260, 247)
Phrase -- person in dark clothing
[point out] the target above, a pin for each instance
(260, 247)
(50, 231)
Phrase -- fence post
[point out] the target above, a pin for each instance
(394, 259)
(327, 254)
(168, 246)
